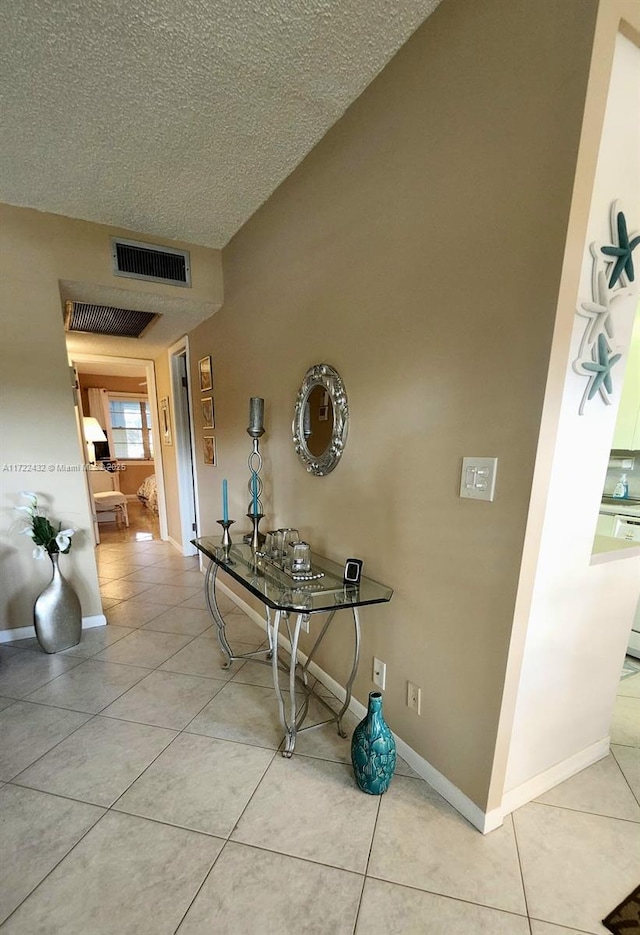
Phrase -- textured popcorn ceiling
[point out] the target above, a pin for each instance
(178, 117)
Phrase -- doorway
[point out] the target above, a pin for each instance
(137, 392)
(184, 444)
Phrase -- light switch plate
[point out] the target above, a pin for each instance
(478, 481)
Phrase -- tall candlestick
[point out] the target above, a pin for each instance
(225, 501)
(254, 509)
(256, 417)
(254, 493)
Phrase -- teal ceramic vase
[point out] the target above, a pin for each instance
(373, 750)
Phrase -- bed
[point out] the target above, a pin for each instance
(147, 493)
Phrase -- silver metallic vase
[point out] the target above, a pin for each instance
(56, 614)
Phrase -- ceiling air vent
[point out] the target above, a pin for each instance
(151, 262)
(104, 319)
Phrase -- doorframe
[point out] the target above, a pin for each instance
(184, 439)
(150, 374)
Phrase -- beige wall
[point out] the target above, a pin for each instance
(113, 384)
(38, 423)
(418, 250)
(80, 251)
(39, 433)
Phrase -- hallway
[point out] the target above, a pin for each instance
(144, 793)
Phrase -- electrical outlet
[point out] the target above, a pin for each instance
(379, 672)
(414, 697)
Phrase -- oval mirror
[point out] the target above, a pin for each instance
(320, 420)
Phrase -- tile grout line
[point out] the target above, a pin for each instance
(70, 734)
(180, 731)
(524, 888)
(197, 892)
(58, 862)
(624, 776)
(569, 928)
(228, 838)
(366, 868)
(582, 811)
(50, 704)
(455, 899)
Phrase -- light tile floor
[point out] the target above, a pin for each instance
(142, 791)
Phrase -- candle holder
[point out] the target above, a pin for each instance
(255, 507)
(226, 537)
(256, 539)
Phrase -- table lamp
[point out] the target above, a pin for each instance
(93, 432)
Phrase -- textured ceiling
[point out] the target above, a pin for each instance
(178, 117)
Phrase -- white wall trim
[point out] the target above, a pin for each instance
(541, 783)
(177, 546)
(24, 633)
(483, 821)
(184, 443)
(95, 620)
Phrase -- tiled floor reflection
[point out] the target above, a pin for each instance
(142, 791)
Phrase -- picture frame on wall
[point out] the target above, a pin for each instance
(206, 374)
(208, 414)
(165, 421)
(209, 449)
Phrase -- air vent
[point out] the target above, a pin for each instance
(151, 262)
(104, 319)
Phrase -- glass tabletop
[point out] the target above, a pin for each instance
(279, 590)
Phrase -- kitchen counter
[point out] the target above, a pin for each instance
(608, 549)
(621, 507)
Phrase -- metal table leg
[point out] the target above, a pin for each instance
(352, 675)
(212, 604)
(293, 723)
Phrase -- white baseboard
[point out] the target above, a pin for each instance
(24, 633)
(483, 821)
(541, 783)
(186, 551)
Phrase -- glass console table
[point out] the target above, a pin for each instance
(322, 591)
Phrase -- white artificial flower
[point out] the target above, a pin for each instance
(25, 509)
(29, 495)
(39, 552)
(63, 539)
(27, 531)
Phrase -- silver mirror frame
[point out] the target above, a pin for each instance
(325, 376)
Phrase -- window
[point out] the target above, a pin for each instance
(131, 428)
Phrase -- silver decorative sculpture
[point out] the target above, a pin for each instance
(56, 614)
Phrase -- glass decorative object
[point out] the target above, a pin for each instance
(373, 750)
(56, 614)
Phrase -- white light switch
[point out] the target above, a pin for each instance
(478, 478)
